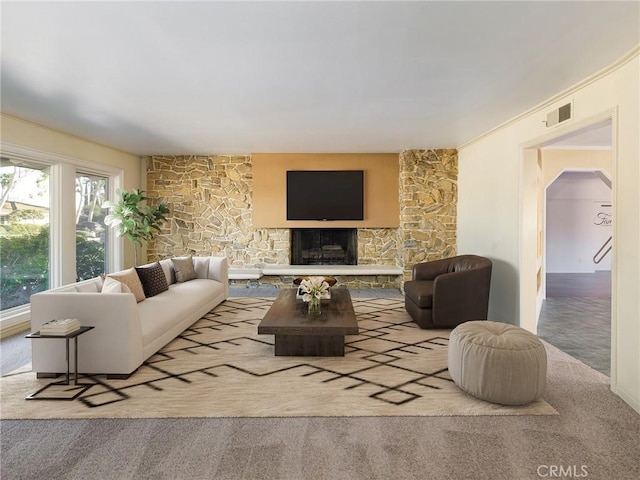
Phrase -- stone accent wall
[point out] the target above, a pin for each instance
(210, 200)
(378, 246)
(428, 205)
(210, 203)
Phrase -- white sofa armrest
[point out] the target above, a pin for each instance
(114, 346)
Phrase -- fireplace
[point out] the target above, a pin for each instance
(324, 246)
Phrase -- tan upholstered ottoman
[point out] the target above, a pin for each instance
(497, 362)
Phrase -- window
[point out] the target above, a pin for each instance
(24, 231)
(52, 230)
(91, 232)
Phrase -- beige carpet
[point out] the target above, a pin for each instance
(221, 367)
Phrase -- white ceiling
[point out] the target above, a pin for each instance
(242, 77)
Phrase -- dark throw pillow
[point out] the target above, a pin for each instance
(153, 279)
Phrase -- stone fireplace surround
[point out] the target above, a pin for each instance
(210, 199)
(364, 273)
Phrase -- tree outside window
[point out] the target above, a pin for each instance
(91, 232)
(24, 231)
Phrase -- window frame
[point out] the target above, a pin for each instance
(62, 246)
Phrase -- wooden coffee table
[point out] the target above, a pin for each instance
(302, 334)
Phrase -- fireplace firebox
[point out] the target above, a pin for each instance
(324, 246)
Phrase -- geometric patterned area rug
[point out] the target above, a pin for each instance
(221, 367)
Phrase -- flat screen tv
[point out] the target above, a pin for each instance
(325, 195)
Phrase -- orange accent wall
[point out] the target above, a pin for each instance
(381, 191)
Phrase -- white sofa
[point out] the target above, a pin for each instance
(126, 333)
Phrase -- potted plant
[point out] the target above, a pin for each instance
(139, 223)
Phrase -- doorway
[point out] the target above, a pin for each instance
(575, 315)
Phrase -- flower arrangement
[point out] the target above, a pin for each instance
(313, 289)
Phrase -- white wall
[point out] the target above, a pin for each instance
(574, 230)
(495, 215)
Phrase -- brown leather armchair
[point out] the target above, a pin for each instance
(445, 293)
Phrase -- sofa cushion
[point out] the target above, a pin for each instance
(420, 292)
(86, 287)
(184, 269)
(130, 278)
(153, 279)
(160, 313)
(201, 266)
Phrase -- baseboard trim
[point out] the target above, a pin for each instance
(627, 398)
(11, 327)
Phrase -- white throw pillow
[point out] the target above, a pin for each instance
(111, 285)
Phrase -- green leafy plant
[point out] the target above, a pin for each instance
(138, 223)
(24, 256)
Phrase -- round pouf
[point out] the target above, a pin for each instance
(497, 362)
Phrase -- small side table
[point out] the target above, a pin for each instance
(79, 388)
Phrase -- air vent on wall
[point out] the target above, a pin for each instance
(559, 115)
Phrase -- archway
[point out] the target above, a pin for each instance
(576, 310)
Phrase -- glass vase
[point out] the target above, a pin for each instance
(314, 306)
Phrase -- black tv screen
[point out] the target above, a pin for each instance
(325, 195)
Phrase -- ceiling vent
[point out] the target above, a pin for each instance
(559, 115)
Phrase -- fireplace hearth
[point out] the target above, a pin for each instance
(324, 246)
